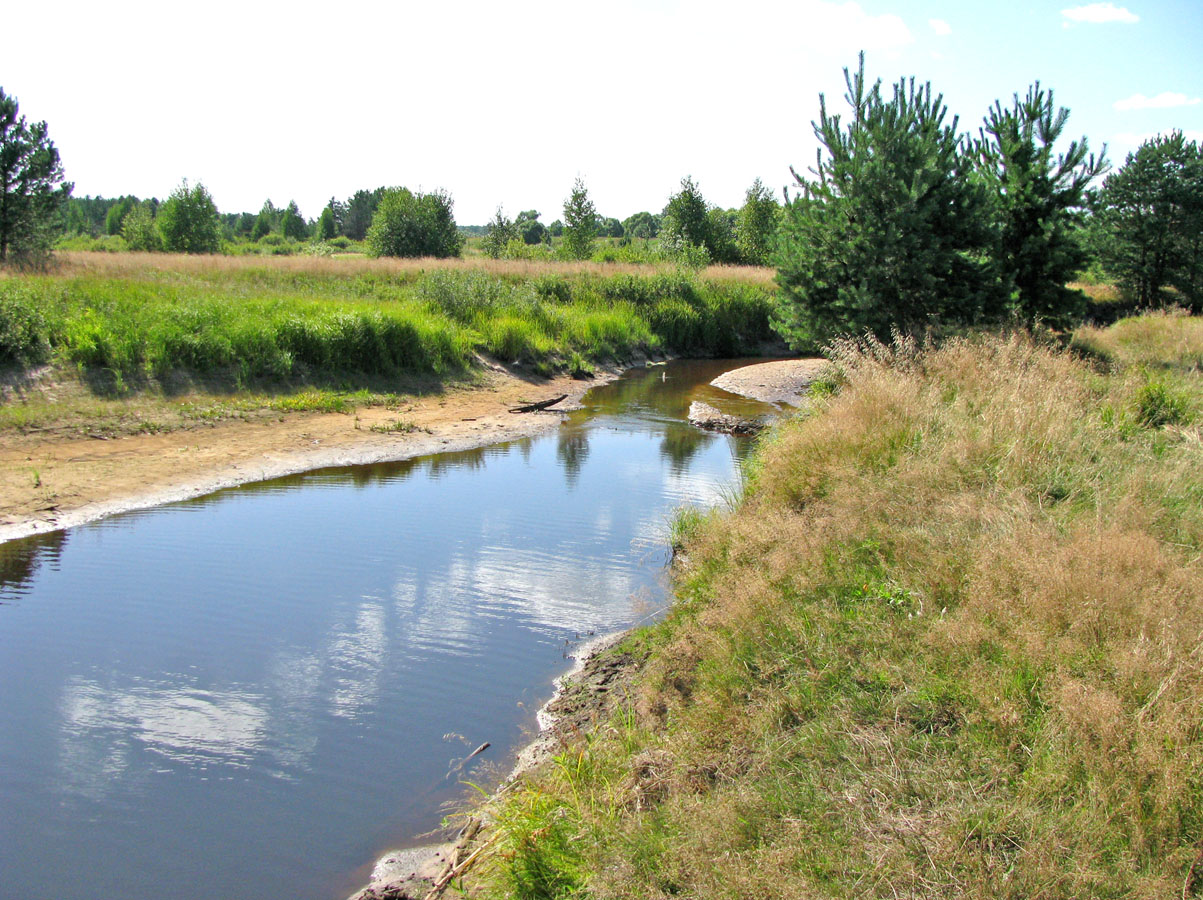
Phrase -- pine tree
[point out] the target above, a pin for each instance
(498, 234)
(1040, 199)
(892, 228)
(292, 225)
(32, 190)
(1151, 218)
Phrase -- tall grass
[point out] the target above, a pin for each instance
(949, 644)
(144, 314)
(136, 264)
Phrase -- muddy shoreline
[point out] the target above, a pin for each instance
(582, 695)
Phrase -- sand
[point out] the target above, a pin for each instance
(50, 481)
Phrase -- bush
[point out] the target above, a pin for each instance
(105, 243)
(24, 333)
(409, 225)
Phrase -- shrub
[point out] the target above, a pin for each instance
(1158, 405)
(409, 224)
(24, 333)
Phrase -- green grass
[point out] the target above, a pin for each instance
(250, 323)
(946, 644)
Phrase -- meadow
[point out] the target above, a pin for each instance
(139, 325)
(946, 643)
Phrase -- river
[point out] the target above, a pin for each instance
(259, 691)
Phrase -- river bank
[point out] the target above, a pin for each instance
(945, 644)
(601, 677)
(50, 481)
(54, 479)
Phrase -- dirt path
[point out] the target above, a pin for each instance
(50, 481)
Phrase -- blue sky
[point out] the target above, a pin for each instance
(506, 104)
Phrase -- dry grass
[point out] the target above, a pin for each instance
(950, 644)
(126, 265)
(1157, 340)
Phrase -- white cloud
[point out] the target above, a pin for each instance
(849, 24)
(1099, 13)
(940, 27)
(1164, 100)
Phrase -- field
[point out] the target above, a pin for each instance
(946, 644)
(133, 339)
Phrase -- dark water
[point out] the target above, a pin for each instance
(257, 692)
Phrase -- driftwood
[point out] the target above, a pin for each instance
(455, 867)
(463, 762)
(542, 404)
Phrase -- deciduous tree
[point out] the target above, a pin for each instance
(580, 222)
(32, 189)
(327, 228)
(139, 229)
(644, 225)
(686, 218)
(756, 225)
(188, 221)
(530, 228)
(409, 224)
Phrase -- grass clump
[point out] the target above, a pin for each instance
(948, 644)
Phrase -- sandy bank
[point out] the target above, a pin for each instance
(50, 481)
(779, 381)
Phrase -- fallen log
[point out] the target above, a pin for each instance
(542, 404)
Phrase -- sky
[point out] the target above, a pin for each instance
(505, 105)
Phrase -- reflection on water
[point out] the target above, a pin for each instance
(254, 691)
(103, 728)
(19, 560)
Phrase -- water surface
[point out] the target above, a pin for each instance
(258, 691)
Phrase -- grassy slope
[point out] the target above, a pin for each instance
(948, 644)
(141, 324)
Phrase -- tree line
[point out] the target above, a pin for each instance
(688, 228)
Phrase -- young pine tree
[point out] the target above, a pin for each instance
(1150, 217)
(1040, 199)
(893, 227)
